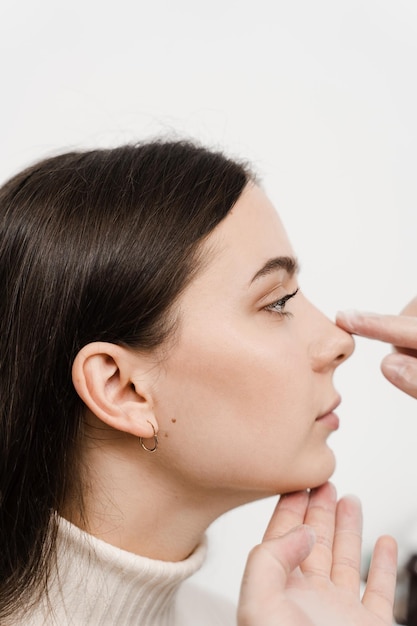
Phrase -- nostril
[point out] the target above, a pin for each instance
(348, 346)
(343, 356)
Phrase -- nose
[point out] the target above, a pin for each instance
(331, 346)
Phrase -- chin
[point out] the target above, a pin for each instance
(324, 472)
(318, 473)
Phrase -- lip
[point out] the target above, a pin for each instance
(329, 417)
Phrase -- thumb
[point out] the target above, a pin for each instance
(270, 564)
(401, 371)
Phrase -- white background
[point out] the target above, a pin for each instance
(321, 96)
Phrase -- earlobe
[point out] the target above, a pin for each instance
(102, 375)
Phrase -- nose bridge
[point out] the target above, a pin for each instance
(330, 346)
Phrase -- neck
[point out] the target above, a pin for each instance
(134, 502)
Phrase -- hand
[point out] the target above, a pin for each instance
(306, 570)
(400, 367)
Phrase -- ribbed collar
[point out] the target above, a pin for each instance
(97, 583)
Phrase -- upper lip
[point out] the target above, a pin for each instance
(331, 408)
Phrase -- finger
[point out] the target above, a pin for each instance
(400, 330)
(320, 515)
(380, 587)
(289, 513)
(347, 544)
(401, 371)
(269, 566)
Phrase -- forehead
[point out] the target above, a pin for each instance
(250, 235)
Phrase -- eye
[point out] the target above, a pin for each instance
(279, 305)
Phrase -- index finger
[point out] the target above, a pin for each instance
(289, 513)
(400, 330)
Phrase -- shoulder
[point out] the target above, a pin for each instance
(196, 605)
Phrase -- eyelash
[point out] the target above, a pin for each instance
(279, 305)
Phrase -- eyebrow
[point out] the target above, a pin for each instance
(287, 263)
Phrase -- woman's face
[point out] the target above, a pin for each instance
(245, 395)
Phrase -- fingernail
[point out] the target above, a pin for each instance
(351, 318)
(395, 365)
(309, 531)
(353, 498)
(348, 318)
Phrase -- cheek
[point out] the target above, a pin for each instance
(235, 383)
(240, 413)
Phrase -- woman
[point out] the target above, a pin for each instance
(159, 366)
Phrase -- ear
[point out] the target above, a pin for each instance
(103, 375)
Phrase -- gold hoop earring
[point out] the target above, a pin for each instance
(155, 440)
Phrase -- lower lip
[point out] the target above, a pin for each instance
(330, 420)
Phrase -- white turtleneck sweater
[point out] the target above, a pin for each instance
(98, 584)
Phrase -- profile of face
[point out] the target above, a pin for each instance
(244, 396)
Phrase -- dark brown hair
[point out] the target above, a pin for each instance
(95, 246)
